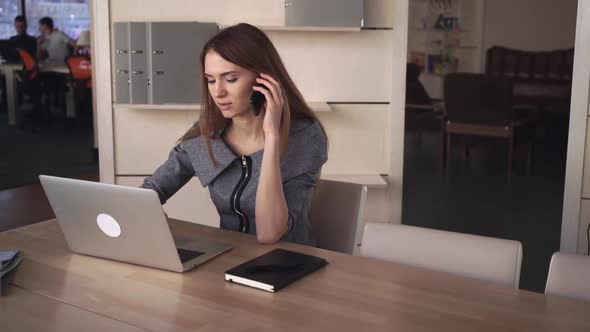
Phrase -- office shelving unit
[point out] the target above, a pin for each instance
(332, 67)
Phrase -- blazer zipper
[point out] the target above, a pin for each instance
(237, 194)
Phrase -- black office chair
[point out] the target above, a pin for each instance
(30, 85)
(481, 105)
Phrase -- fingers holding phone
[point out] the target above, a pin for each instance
(257, 100)
(273, 93)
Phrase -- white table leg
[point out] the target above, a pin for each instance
(70, 103)
(11, 96)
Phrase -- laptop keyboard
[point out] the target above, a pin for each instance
(187, 255)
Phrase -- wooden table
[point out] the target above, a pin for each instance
(22, 310)
(350, 294)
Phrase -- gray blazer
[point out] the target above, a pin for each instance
(233, 183)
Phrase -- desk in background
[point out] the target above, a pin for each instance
(10, 69)
(350, 294)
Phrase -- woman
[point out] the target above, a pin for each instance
(260, 169)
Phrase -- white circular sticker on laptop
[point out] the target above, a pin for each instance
(108, 225)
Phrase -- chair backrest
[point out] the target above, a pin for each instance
(80, 67)
(29, 63)
(478, 99)
(569, 275)
(336, 212)
(472, 256)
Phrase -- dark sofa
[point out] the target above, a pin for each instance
(540, 79)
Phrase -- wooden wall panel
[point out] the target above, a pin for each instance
(338, 66)
(357, 135)
(144, 138)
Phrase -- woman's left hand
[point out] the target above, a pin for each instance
(273, 107)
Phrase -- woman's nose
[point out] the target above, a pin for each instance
(219, 90)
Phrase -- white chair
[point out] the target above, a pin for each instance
(336, 212)
(569, 275)
(472, 256)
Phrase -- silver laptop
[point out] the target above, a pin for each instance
(122, 223)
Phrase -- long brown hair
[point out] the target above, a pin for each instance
(248, 47)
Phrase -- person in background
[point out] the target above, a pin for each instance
(22, 39)
(421, 110)
(53, 45)
(416, 94)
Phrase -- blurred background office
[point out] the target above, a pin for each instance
(45, 108)
(22, 39)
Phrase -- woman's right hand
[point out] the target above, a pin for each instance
(273, 106)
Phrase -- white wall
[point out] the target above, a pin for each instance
(571, 226)
(534, 25)
(576, 212)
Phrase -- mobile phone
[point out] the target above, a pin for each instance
(257, 99)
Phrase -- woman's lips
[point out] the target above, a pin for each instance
(224, 106)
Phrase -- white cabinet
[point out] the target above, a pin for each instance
(350, 74)
(348, 67)
(356, 139)
(357, 153)
(144, 138)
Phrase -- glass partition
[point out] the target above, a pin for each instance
(69, 16)
(9, 9)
